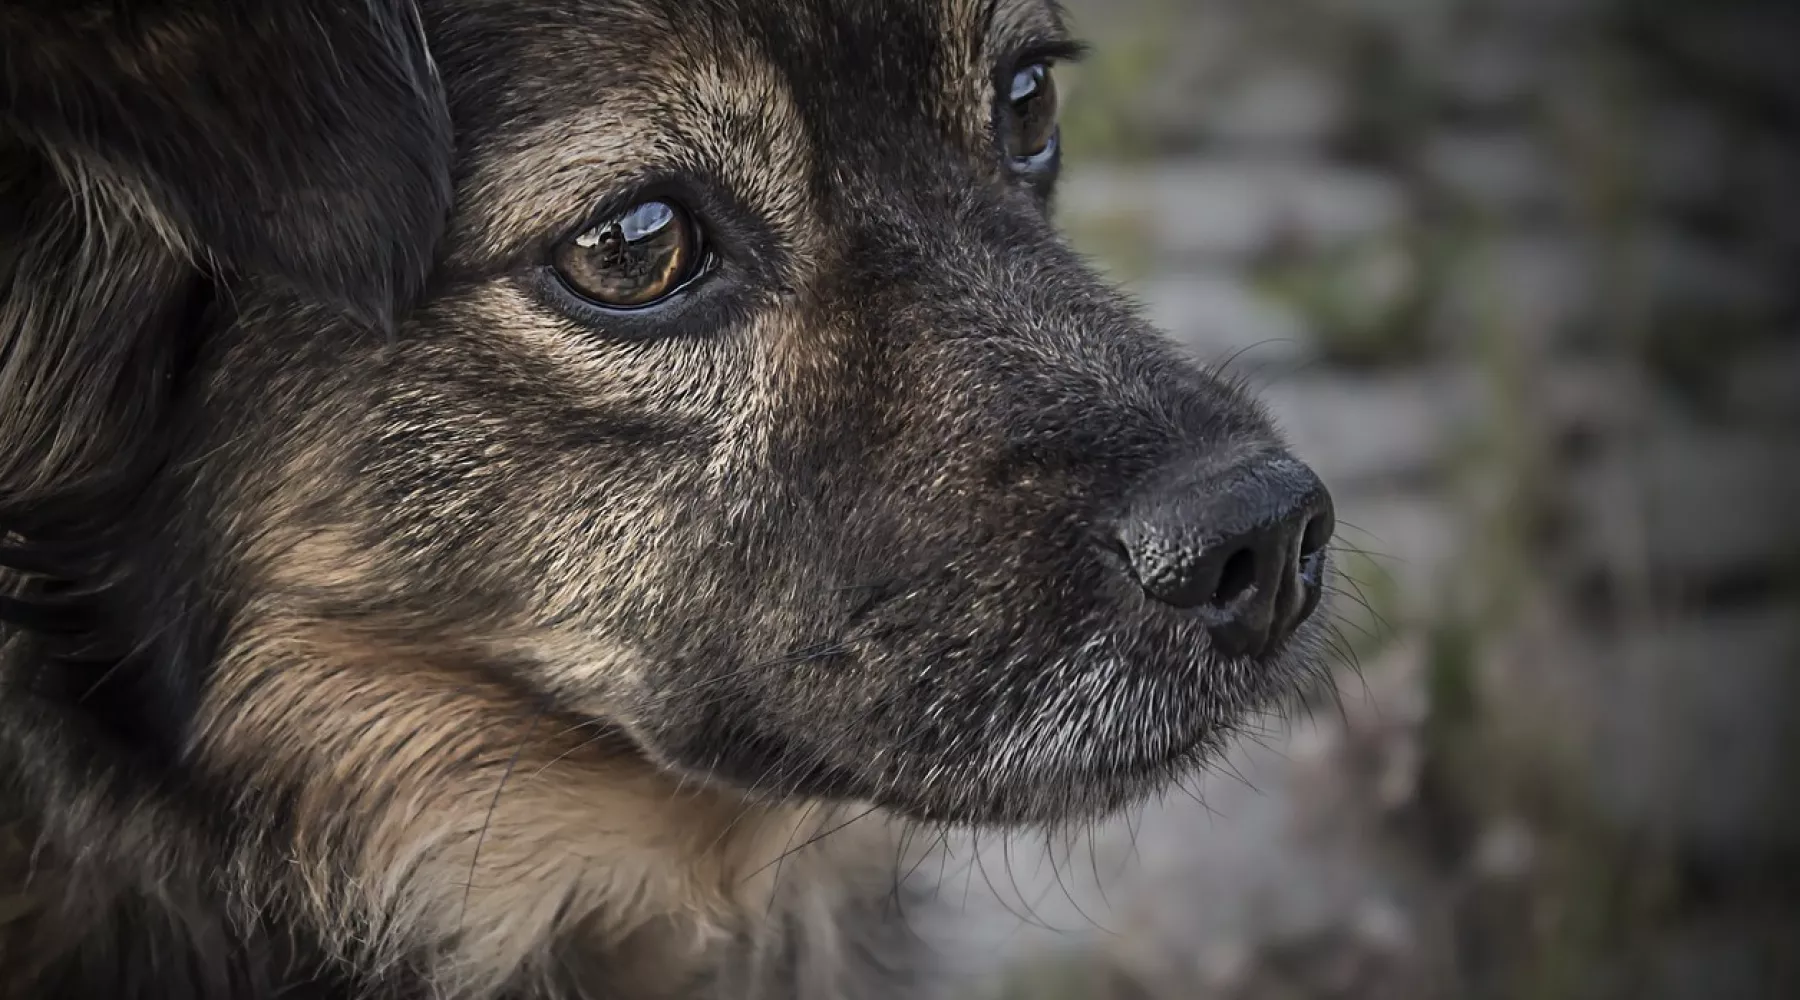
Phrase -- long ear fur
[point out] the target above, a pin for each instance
(155, 155)
(305, 139)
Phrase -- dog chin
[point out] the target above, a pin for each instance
(1125, 760)
(1045, 801)
(1130, 743)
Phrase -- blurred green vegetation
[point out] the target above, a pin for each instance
(1131, 51)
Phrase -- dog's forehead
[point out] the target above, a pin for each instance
(848, 40)
(559, 102)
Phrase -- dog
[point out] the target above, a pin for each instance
(534, 498)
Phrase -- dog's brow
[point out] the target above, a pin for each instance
(1010, 22)
(1001, 26)
(531, 183)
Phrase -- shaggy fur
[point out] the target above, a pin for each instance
(382, 621)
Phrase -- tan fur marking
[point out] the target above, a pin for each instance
(534, 183)
(398, 799)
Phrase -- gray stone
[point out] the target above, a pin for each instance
(1423, 32)
(1505, 171)
(1362, 431)
(1764, 386)
(1692, 507)
(1496, 70)
(1686, 155)
(1548, 20)
(1233, 209)
(1506, 851)
(1381, 924)
(1604, 399)
(1772, 197)
(1725, 959)
(1363, 300)
(1535, 285)
(1282, 107)
(1701, 277)
(1410, 543)
(1217, 315)
(1685, 726)
(1225, 965)
(1750, 44)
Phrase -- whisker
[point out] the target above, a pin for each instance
(493, 804)
(786, 853)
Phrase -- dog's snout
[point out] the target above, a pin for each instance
(1242, 546)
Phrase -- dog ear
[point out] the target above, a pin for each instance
(301, 140)
(157, 155)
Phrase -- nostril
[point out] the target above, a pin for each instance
(1236, 577)
(1315, 535)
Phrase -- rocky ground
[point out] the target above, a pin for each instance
(1518, 276)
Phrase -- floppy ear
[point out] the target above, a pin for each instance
(157, 154)
(305, 140)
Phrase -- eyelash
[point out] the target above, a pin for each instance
(1058, 52)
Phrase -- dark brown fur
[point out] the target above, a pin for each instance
(383, 625)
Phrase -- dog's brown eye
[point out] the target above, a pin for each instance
(1031, 126)
(633, 259)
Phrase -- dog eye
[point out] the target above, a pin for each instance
(1031, 115)
(636, 258)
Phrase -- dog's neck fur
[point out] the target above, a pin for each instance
(462, 856)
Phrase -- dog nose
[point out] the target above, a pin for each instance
(1242, 545)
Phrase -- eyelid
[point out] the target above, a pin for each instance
(1044, 50)
(1035, 163)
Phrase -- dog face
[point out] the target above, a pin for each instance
(752, 408)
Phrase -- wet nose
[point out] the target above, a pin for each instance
(1242, 545)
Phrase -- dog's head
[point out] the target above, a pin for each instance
(707, 370)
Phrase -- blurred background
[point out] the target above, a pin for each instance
(1521, 278)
